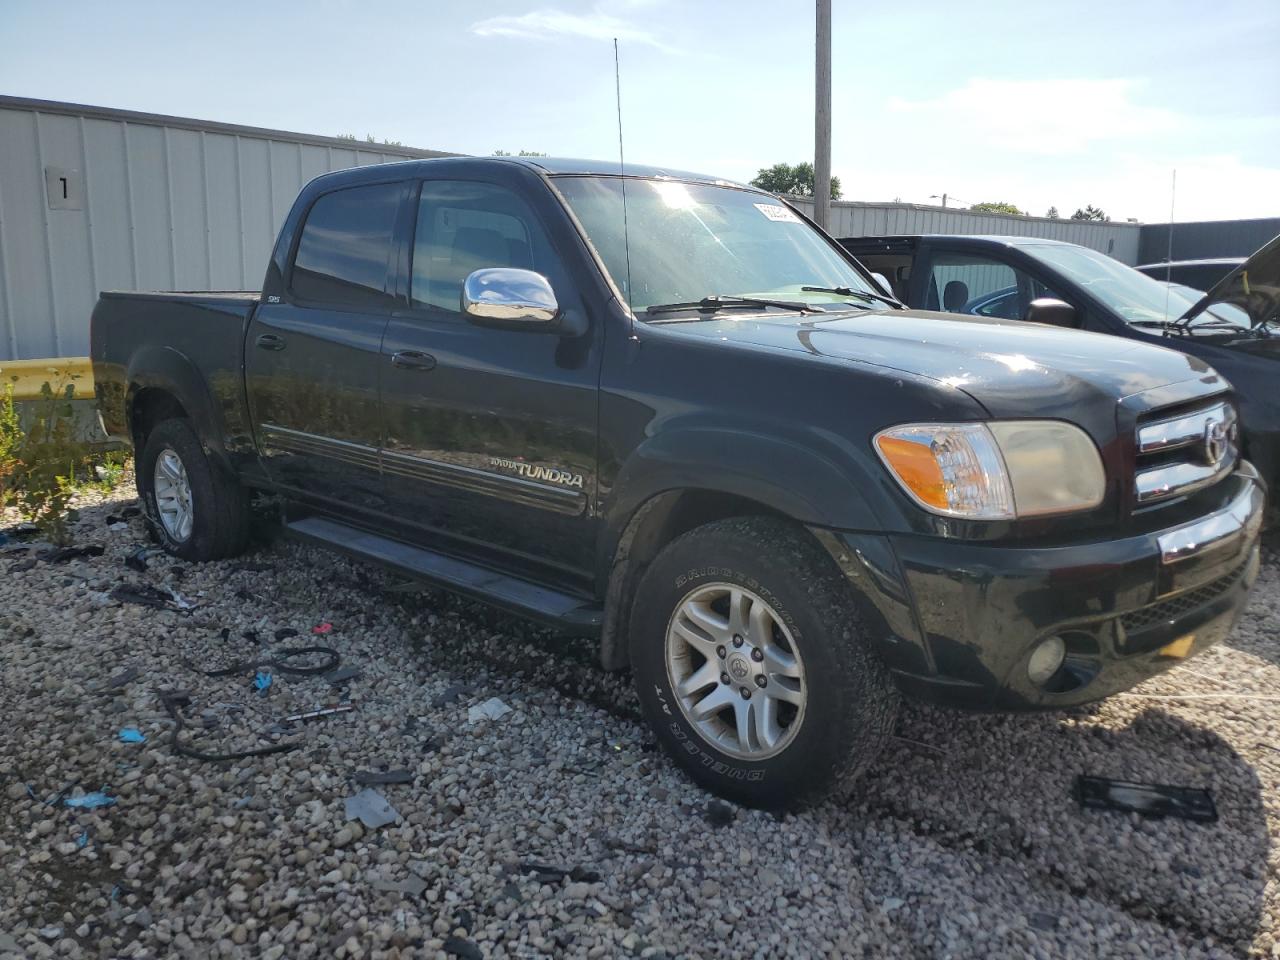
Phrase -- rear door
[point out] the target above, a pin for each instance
(313, 360)
(489, 443)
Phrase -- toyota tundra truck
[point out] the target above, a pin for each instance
(667, 411)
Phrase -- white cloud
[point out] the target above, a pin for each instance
(1045, 117)
(549, 23)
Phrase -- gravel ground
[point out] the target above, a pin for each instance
(558, 828)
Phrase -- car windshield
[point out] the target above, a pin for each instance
(689, 241)
(1135, 297)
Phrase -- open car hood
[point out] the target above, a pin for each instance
(1253, 287)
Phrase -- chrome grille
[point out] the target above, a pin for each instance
(1185, 452)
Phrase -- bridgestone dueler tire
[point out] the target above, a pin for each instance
(851, 700)
(220, 506)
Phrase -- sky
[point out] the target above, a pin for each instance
(1037, 104)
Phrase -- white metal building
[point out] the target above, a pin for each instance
(855, 219)
(97, 199)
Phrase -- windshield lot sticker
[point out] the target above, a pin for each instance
(776, 211)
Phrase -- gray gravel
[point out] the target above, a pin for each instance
(557, 828)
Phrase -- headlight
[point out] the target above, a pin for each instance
(995, 471)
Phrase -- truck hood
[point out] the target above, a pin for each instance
(1009, 367)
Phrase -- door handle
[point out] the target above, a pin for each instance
(269, 341)
(413, 360)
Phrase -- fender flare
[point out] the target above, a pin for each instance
(156, 367)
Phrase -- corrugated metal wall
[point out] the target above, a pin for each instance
(1203, 239)
(854, 219)
(94, 199)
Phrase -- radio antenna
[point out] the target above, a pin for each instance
(622, 171)
(1168, 256)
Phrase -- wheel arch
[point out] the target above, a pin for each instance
(164, 383)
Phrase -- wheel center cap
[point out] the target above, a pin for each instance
(739, 667)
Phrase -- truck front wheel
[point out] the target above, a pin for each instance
(751, 664)
(196, 510)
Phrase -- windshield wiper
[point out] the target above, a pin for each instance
(850, 292)
(711, 304)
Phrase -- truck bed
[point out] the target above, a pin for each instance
(174, 339)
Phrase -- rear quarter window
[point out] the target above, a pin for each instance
(344, 253)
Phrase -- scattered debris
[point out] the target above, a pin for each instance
(321, 712)
(549, 873)
(241, 803)
(90, 801)
(283, 661)
(491, 709)
(284, 633)
(343, 674)
(66, 554)
(120, 679)
(371, 808)
(459, 947)
(410, 886)
(132, 735)
(366, 777)
(146, 595)
(262, 682)
(82, 841)
(137, 560)
(720, 814)
(321, 629)
(1147, 799)
(175, 701)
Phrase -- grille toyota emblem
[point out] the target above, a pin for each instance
(1216, 440)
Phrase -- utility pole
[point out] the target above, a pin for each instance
(822, 119)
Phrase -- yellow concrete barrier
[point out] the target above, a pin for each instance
(28, 376)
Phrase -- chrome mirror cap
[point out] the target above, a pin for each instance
(509, 295)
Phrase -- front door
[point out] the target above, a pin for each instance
(313, 361)
(489, 437)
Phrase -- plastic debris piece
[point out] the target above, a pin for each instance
(491, 709)
(262, 681)
(321, 712)
(410, 886)
(365, 777)
(146, 595)
(371, 808)
(284, 633)
(132, 735)
(120, 679)
(322, 628)
(90, 801)
(464, 949)
(137, 560)
(342, 675)
(1147, 799)
(65, 554)
(82, 841)
(241, 803)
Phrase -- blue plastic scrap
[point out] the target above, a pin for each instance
(262, 681)
(132, 735)
(82, 841)
(91, 800)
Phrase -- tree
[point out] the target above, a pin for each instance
(997, 206)
(796, 180)
(522, 153)
(370, 138)
(1053, 213)
(1090, 213)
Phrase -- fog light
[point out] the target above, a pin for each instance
(1045, 660)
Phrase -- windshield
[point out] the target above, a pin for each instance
(1134, 296)
(693, 240)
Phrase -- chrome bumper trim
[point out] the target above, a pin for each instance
(1240, 518)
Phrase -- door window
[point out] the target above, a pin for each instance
(981, 287)
(345, 249)
(464, 226)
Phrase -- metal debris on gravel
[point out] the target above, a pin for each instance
(965, 840)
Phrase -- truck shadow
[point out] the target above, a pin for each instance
(1004, 785)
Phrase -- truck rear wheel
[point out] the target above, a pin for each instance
(751, 664)
(195, 509)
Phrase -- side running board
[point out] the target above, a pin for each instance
(519, 596)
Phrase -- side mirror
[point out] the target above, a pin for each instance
(1052, 311)
(510, 299)
(883, 283)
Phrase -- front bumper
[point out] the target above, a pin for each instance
(957, 621)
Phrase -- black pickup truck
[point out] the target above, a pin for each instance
(669, 411)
